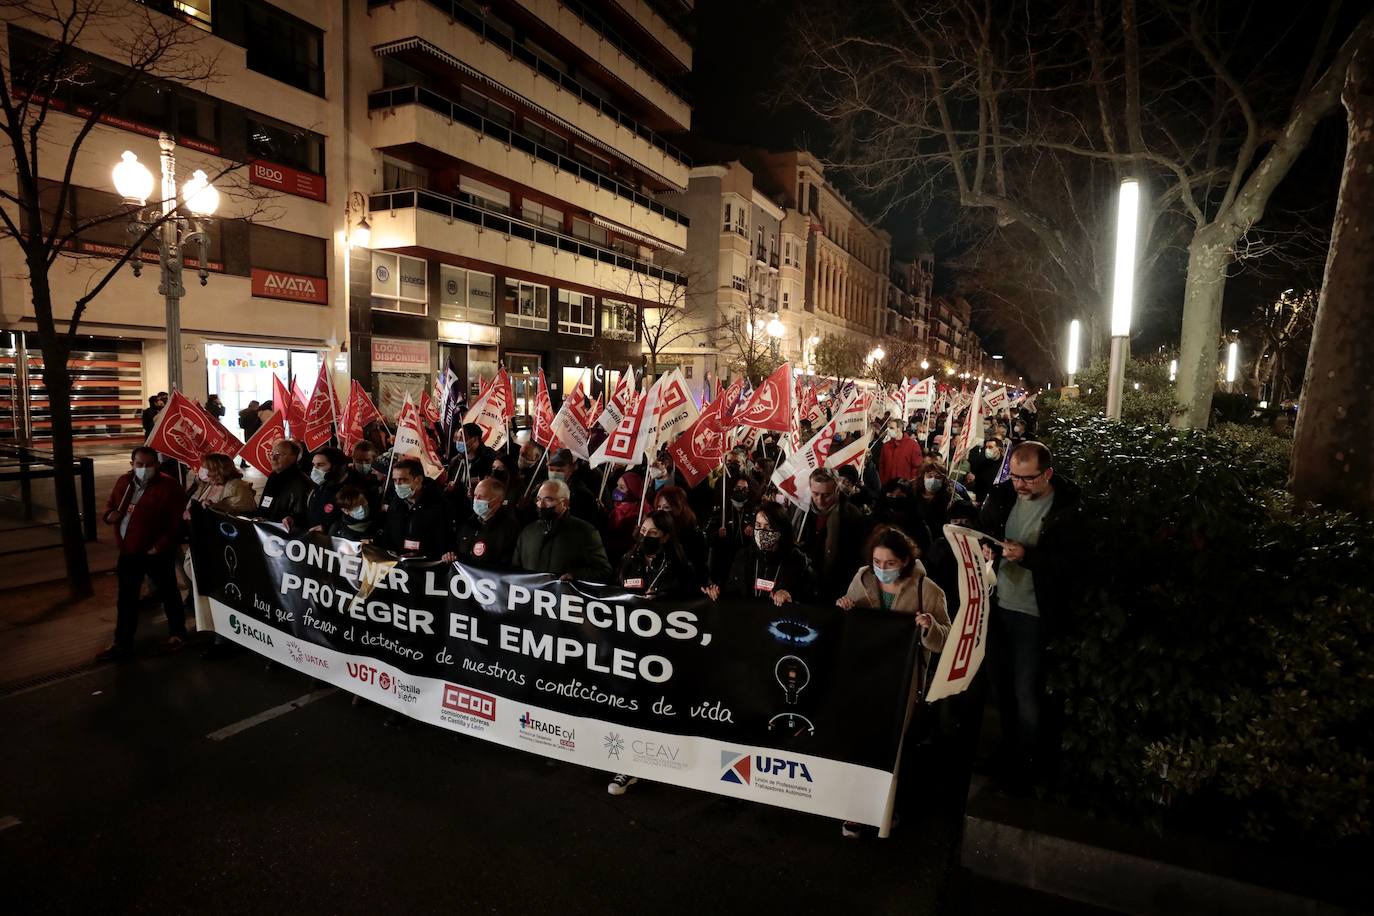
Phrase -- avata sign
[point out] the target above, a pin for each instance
(274, 284)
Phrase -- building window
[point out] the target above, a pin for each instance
(786, 301)
(299, 149)
(544, 137)
(728, 224)
(397, 175)
(617, 320)
(542, 215)
(595, 234)
(576, 312)
(288, 252)
(283, 47)
(527, 305)
(400, 283)
(465, 295)
(484, 195)
(486, 107)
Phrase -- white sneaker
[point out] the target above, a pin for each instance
(619, 783)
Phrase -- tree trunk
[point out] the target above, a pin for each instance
(57, 380)
(1333, 462)
(1208, 256)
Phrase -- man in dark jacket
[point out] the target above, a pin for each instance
(287, 491)
(415, 517)
(473, 459)
(563, 466)
(832, 536)
(145, 509)
(984, 464)
(155, 405)
(488, 534)
(558, 542)
(1034, 514)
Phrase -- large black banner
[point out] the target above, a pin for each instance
(796, 706)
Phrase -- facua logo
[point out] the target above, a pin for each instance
(469, 702)
(736, 767)
(244, 628)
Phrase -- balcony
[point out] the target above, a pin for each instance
(417, 115)
(595, 37)
(464, 41)
(660, 27)
(415, 218)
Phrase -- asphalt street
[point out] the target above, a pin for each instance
(114, 798)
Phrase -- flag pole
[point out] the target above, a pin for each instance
(333, 396)
(535, 472)
(605, 475)
(643, 496)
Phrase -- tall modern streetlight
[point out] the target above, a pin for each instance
(1232, 357)
(1127, 215)
(200, 200)
(1075, 332)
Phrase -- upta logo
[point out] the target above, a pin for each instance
(244, 628)
(736, 767)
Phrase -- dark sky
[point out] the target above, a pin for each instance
(739, 49)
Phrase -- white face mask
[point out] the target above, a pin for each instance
(203, 474)
(144, 474)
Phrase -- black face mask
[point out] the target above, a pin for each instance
(651, 543)
(547, 513)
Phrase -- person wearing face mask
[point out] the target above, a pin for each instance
(365, 474)
(220, 486)
(287, 491)
(329, 470)
(852, 488)
(899, 458)
(145, 509)
(559, 543)
(472, 458)
(657, 565)
(688, 533)
(563, 466)
(488, 532)
(936, 495)
(1034, 515)
(155, 405)
(831, 535)
(894, 580)
(771, 567)
(624, 513)
(984, 462)
(355, 520)
(415, 517)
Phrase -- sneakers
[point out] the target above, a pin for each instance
(113, 654)
(849, 830)
(620, 783)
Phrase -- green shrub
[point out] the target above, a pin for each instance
(1217, 673)
(1152, 402)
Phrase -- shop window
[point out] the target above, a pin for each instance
(399, 284)
(527, 305)
(617, 320)
(465, 295)
(283, 47)
(289, 252)
(300, 149)
(524, 377)
(576, 312)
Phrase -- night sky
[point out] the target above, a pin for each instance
(739, 47)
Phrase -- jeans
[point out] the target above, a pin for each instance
(132, 569)
(1018, 656)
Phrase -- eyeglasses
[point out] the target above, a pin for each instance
(1027, 478)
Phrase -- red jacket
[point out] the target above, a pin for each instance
(156, 519)
(899, 458)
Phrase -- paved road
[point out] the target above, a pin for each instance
(124, 804)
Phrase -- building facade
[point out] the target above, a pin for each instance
(516, 155)
(274, 301)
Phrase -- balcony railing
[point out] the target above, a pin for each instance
(527, 57)
(601, 27)
(773, 260)
(457, 111)
(469, 210)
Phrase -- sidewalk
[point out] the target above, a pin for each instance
(44, 633)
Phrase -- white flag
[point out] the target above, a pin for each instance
(676, 409)
(618, 401)
(489, 412)
(920, 396)
(968, 634)
(634, 434)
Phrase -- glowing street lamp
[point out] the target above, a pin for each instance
(1232, 357)
(1075, 332)
(1173, 369)
(1123, 288)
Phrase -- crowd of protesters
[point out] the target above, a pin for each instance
(868, 538)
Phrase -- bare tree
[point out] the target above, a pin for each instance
(996, 103)
(1281, 333)
(50, 102)
(840, 357)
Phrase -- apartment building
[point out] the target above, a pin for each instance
(274, 301)
(517, 157)
(909, 301)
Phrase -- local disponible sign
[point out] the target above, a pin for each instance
(276, 284)
(797, 707)
(395, 354)
(286, 179)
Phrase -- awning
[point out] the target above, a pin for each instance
(634, 234)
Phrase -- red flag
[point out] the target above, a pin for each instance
(295, 410)
(359, 412)
(320, 411)
(701, 446)
(543, 415)
(573, 423)
(482, 385)
(503, 379)
(595, 411)
(184, 431)
(411, 440)
(257, 451)
(281, 401)
(229, 443)
(770, 406)
(427, 408)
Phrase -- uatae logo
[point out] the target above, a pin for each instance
(244, 628)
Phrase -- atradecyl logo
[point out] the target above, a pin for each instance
(736, 767)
